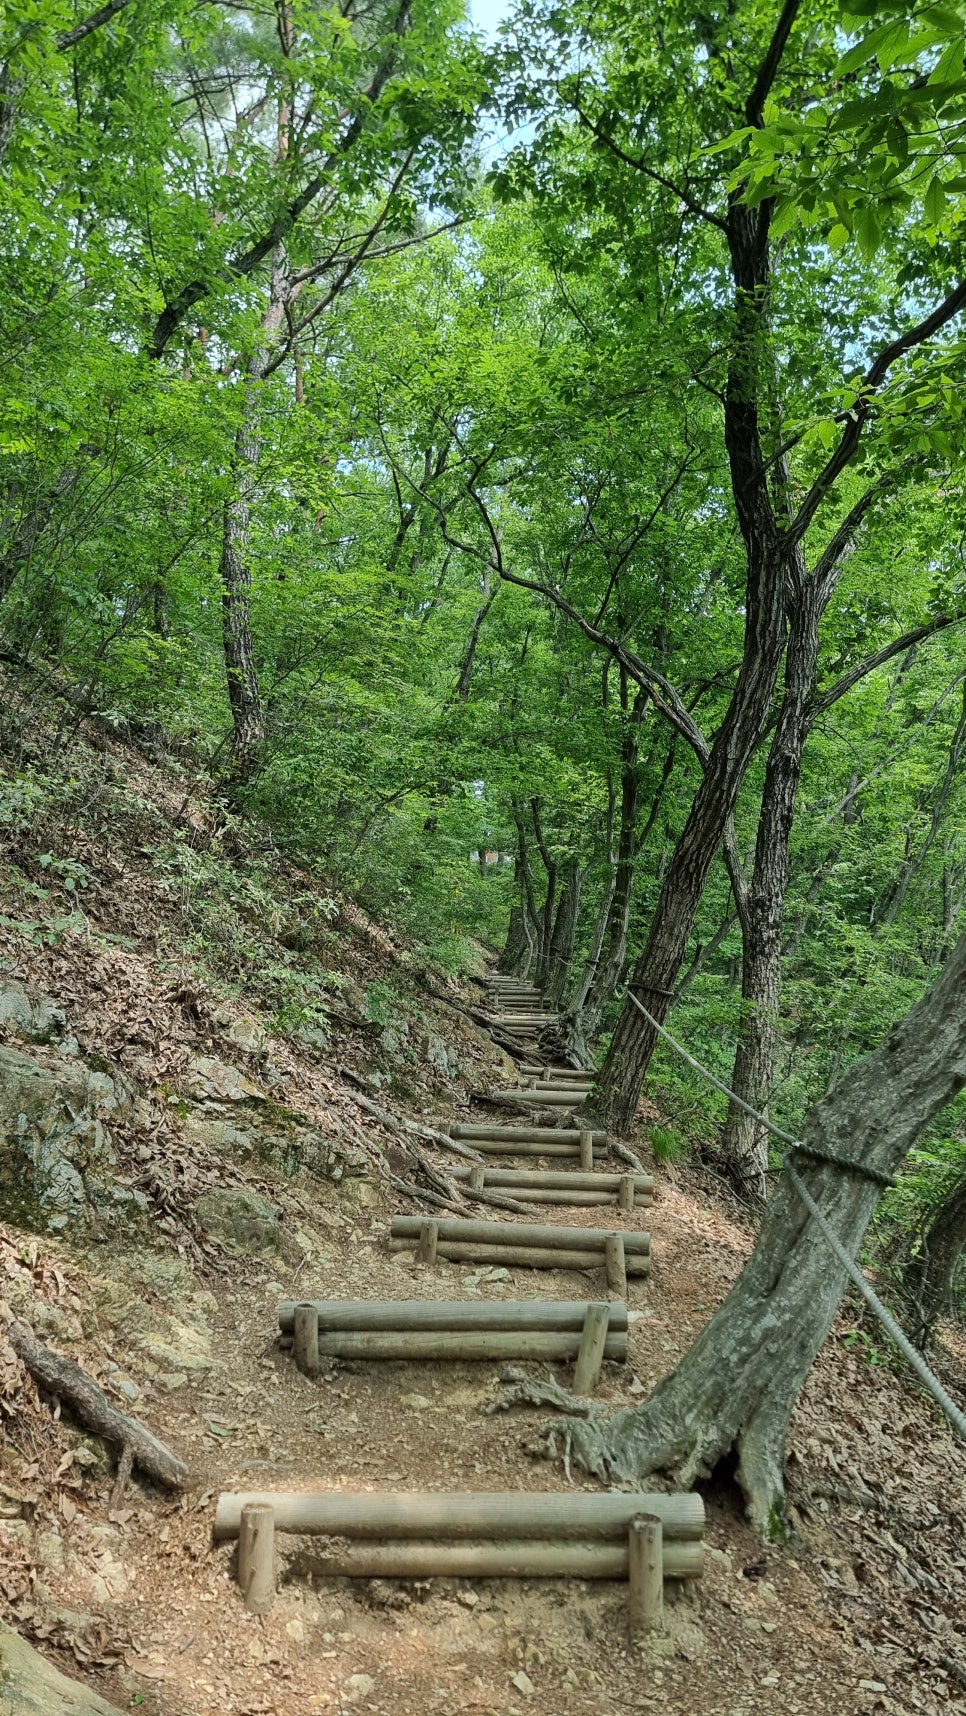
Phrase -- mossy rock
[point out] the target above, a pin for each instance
(241, 1218)
(32, 1686)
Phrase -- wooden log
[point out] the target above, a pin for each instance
(305, 1331)
(256, 1556)
(593, 1348)
(561, 1135)
(557, 1179)
(538, 1098)
(549, 1315)
(517, 1233)
(476, 1177)
(420, 1345)
(586, 1149)
(617, 1264)
(481, 1514)
(63, 1378)
(519, 1560)
(492, 1147)
(427, 1241)
(527, 1257)
(645, 1573)
(577, 1199)
(627, 1192)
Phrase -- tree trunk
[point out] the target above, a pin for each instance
(927, 1280)
(514, 957)
(545, 918)
(771, 560)
(745, 1141)
(244, 692)
(564, 933)
(734, 1391)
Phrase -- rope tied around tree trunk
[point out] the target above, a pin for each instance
(914, 1359)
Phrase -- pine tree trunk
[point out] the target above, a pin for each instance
(927, 1280)
(734, 1391)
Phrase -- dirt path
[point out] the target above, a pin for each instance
(750, 1636)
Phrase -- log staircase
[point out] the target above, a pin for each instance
(640, 1538)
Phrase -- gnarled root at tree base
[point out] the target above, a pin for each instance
(734, 1391)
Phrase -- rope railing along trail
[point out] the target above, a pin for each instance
(914, 1359)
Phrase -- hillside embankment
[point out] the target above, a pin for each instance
(207, 1061)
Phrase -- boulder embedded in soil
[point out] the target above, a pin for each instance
(38, 1021)
(208, 1077)
(31, 1686)
(57, 1161)
(243, 1218)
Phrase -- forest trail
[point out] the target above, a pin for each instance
(855, 1614)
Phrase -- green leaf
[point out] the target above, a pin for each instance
(881, 40)
(935, 201)
(868, 233)
(950, 66)
(838, 236)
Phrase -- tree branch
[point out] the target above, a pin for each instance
(641, 166)
(858, 415)
(69, 38)
(245, 262)
(754, 106)
(869, 663)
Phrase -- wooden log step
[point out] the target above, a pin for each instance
(554, 1186)
(560, 1135)
(533, 1257)
(539, 1098)
(512, 1560)
(458, 1346)
(579, 1074)
(494, 1147)
(519, 1233)
(501, 1514)
(527, 1016)
(546, 1315)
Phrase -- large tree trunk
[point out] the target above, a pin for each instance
(770, 560)
(564, 934)
(733, 1393)
(745, 1141)
(927, 1280)
(514, 959)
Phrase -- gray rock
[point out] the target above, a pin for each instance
(241, 1217)
(441, 1056)
(208, 1077)
(57, 1162)
(247, 1034)
(221, 1135)
(314, 1037)
(31, 1686)
(39, 1021)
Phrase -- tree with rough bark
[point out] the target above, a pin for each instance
(732, 1396)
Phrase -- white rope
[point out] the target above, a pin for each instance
(927, 1377)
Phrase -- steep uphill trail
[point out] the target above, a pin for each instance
(763, 1630)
